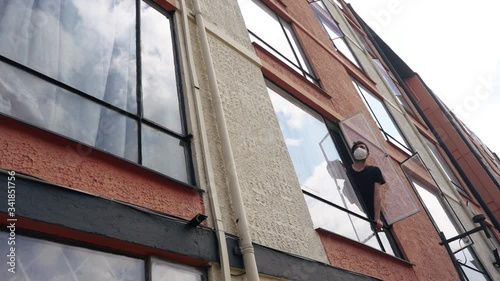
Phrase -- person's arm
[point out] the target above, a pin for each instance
(378, 204)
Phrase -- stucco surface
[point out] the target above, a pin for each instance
(274, 203)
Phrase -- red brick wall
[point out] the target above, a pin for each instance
(470, 164)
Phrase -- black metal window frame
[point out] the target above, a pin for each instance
(447, 169)
(309, 76)
(85, 245)
(336, 136)
(342, 35)
(442, 199)
(185, 137)
(394, 81)
(405, 147)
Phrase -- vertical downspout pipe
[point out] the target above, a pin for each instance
(474, 191)
(211, 188)
(246, 246)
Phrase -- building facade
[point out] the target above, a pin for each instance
(209, 140)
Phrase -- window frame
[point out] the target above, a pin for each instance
(447, 169)
(342, 148)
(302, 70)
(434, 192)
(406, 147)
(185, 137)
(342, 36)
(147, 260)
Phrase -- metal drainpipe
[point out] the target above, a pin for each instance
(438, 137)
(246, 246)
(211, 190)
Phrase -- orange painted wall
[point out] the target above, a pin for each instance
(55, 159)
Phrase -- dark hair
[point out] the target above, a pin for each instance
(358, 143)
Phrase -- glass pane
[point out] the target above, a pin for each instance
(397, 200)
(385, 242)
(315, 158)
(341, 45)
(392, 85)
(439, 215)
(30, 99)
(88, 45)
(296, 47)
(164, 271)
(326, 19)
(164, 153)
(381, 115)
(467, 257)
(264, 23)
(159, 78)
(335, 220)
(48, 261)
(294, 66)
(449, 174)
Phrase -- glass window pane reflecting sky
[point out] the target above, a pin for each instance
(159, 77)
(88, 45)
(50, 261)
(316, 160)
(380, 114)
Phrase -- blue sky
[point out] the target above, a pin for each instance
(454, 46)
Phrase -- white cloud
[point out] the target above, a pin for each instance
(292, 141)
(295, 116)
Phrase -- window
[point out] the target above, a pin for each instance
(38, 259)
(363, 41)
(390, 82)
(76, 68)
(383, 118)
(332, 201)
(276, 36)
(442, 163)
(470, 265)
(333, 30)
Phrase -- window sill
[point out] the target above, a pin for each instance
(366, 247)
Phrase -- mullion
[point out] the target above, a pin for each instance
(165, 130)
(335, 206)
(289, 42)
(140, 109)
(270, 47)
(67, 87)
(471, 268)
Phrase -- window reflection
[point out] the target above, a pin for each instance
(382, 118)
(463, 253)
(31, 99)
(165, 271)
(390, 82)
(471, 265)
(89, 48)
(159, 78)
(442, 163)
(321, 172)
(335, 220)
(333, 30)
(276, 36)
(164, 153)
(315, 158)
(49, 261)
(88, 45)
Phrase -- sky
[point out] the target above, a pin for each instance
(454, 46)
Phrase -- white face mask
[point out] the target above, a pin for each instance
(360, 154)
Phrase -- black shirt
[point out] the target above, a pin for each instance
(364, 182)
